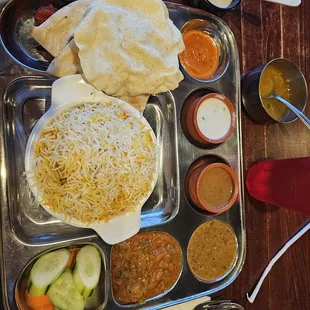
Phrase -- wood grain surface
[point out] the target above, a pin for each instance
(264, 31)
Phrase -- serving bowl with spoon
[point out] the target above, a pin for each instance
(300, 115)
(253, 98)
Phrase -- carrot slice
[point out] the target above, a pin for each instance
(71, 261)
(38, 303)
(46, 308)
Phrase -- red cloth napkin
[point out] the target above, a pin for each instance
(283, 183)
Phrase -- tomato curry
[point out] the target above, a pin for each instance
(201, 55)
(144, 266)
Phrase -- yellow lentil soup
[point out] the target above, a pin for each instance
(274, 81)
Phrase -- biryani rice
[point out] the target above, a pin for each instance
(94, 162)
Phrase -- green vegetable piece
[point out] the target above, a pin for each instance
(64, 294)
(47, 270)
(87, 270)
(144, 244)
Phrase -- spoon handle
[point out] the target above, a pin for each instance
(305, 119)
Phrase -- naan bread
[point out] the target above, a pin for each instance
(67, 62)
(138, 102)
(129, 48)
(56, 32)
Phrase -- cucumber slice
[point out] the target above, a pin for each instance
(87, 270)
(77, 280)
(86, 292)
(94, 299)
(64, 294)
(46, 270)
(37, 291)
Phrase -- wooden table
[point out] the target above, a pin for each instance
(264, 31)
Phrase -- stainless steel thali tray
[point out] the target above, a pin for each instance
(28, 230)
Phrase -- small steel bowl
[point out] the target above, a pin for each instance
(91, 303)
(208, 6)
(221, 42)
(16, 20)
(134, 305)
(233, 264)
(252, 100)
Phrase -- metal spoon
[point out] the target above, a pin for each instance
(304, 119)
(218, 305)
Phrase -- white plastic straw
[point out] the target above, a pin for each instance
(252, 297)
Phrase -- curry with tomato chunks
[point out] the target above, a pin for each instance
(145, 266)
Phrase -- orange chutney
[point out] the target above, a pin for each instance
(201, 56)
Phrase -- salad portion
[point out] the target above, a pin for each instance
(64, 279)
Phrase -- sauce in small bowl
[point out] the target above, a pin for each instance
(213, 187)
(201, 55)
(223, 4)
(212, 251)
(206, 56)
(218, 7)
(211, 119)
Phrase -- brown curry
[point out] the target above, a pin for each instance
(216, 187)
(144, 266)
(212, 250)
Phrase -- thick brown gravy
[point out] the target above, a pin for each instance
(145, 266)
(216, 187)
(211, 250)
